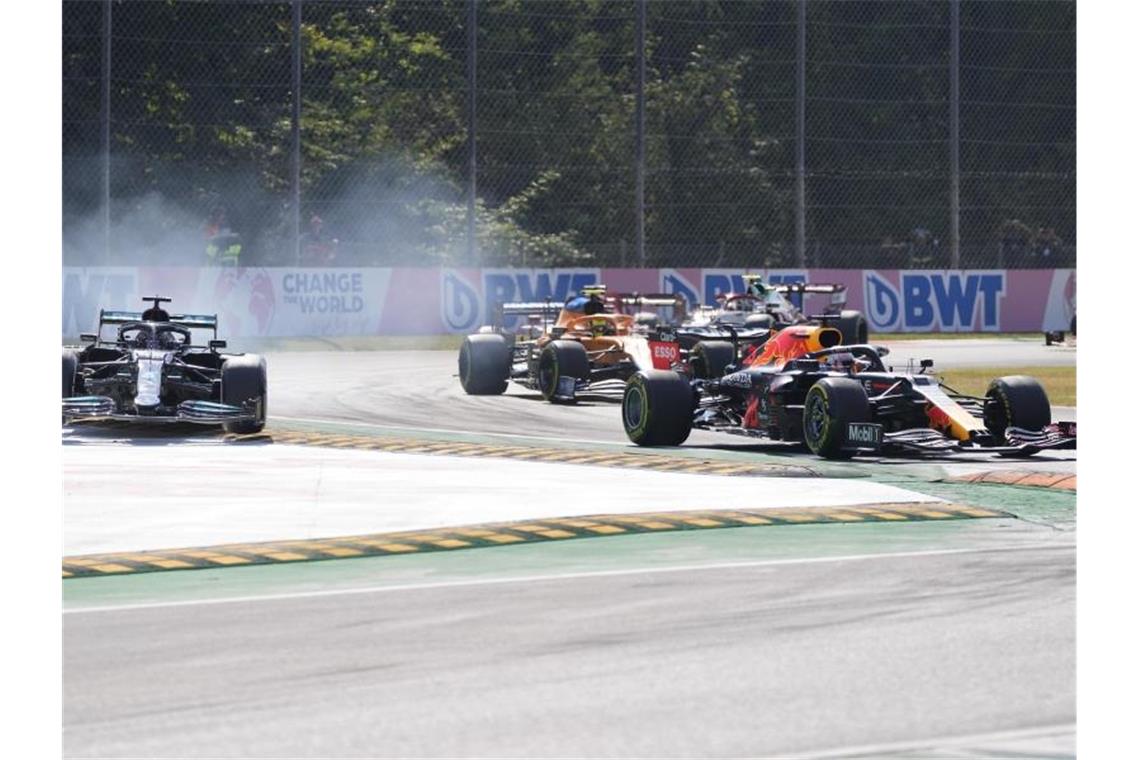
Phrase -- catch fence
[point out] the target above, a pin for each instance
(527, 133)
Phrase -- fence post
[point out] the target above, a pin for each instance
(955, 252)
(801, 118)
(639, 136)
(296, 131)
(472, 243)
(106, 132)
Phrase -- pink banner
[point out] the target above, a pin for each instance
(297, 302)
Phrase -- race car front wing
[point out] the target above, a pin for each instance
(1018, 441)
(200, 412)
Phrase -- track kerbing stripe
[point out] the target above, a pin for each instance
(640, 461)
(502, 534)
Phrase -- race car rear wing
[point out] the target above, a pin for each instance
(798, 289)
(547, 311)
(200, 321)
(619, 302)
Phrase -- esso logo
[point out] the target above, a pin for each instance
(664, 355)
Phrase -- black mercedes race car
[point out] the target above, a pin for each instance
(803, 386)
(151, 371)
(762, 310)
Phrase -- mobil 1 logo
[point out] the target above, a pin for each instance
(864, 435)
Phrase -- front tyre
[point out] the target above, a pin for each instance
(853, 325)
(244, 380)
(559, 361)
(1016, 401)
(70, 371)
(830, 404)
(657, 408)
(484, 364)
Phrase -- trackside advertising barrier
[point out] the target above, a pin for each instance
(343, 302)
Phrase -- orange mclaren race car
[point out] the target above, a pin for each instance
(802, 385)
(593, 341)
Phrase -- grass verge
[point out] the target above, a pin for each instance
(1060, 382)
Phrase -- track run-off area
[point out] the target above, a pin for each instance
(501, 576)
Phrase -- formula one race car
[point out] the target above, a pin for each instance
(591, 342)
(150, 371)
(804, 386)
(750, 317)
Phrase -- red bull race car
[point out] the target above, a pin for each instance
(592, 343)
(803, 385)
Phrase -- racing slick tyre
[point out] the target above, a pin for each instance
(70, 369)
(830, 404)
(710, 357)
(484, 364)
(853, 325)
(765, 321)
(244, 378)
(561, 359)
(1016, 401)
(657, 408)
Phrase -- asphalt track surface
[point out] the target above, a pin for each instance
(420, 389)
(796, 658)
(962, 646)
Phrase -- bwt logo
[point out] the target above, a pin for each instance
(934, 301)
(464, 310)
(673, 282)
(459, 302)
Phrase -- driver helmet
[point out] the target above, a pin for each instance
(168, 339)
(595, 304)
(601, 326)
(843, 361)
(757, 287)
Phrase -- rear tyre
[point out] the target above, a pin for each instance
(484, 364)
(710, 357)
(853, 325)
(70, 371)
(830, 404)
(244, 379)
(657, 408)
(1016, 401)
(561, 359)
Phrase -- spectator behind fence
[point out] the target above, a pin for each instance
(1014, 236)
(317, 249)
(1045, 245)
(223, 245)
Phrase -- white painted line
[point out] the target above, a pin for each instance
(937, 745)
(520, 579)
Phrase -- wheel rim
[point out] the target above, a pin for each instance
(815, 420)
(547, 375)
(633, 408)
